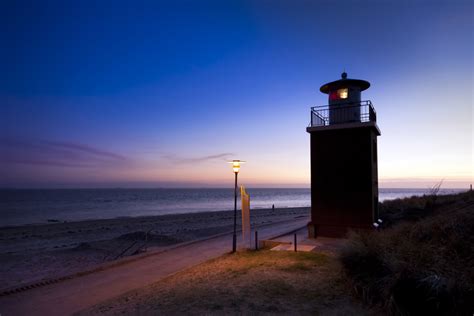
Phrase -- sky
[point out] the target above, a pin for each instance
(163, 93)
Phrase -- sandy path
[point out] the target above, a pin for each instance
(73, 295)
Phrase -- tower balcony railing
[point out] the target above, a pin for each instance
(354, 112)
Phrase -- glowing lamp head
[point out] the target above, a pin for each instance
(236, 165)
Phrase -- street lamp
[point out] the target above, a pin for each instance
(235, 168)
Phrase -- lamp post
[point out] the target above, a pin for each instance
(235, 168)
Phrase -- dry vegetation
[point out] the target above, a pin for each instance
(424, 263)
(263, 282)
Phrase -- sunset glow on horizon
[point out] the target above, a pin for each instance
(163, 95)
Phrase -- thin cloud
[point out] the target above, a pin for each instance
(58, 154)
(183, 160)
(85, 149)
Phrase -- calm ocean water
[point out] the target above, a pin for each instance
(19, 207)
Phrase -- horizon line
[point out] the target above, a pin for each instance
(197, 188)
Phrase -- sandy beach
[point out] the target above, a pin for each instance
(33, 253)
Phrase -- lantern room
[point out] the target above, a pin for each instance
(344, 98)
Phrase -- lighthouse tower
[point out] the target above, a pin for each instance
(344, 182)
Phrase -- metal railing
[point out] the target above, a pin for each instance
(326, 115)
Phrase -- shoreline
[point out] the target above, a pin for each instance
(37, 252)
(54, 221)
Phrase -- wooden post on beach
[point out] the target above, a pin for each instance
(256, 240)
(296, 246)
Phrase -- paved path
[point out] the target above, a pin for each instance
(326, 244)
(70, 296)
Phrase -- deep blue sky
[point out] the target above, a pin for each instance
(162, 93)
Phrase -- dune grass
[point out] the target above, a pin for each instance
(424, 263)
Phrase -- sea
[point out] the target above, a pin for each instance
(20, 207)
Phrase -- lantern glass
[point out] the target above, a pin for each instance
(342, 93)
(236, 165)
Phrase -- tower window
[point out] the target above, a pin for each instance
(339, 94)
(342, 93)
